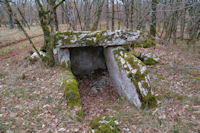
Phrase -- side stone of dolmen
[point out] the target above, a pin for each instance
(130, 77)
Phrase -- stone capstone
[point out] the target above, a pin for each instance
(69, 39)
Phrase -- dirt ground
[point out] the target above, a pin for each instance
(31, 98)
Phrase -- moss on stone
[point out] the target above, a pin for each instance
(84, 38)
(105, 124)
(197, 78)
(148, 100)
(146, 44)
(32, 60)
(80, 113)
(150, 61)
(63, 64)
(71, 91)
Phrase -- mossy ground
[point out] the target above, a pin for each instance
(105, 124)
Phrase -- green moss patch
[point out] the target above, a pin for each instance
(105, 124)
(71, 91)
(146, 44)
(138, 74)
(149, 59)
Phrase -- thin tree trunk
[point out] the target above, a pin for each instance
(98, 15)
(10, 14)
(107, 14)
(131, 21)
(113, 15)
(119, 18)
(153, 19)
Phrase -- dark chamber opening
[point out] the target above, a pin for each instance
(87, 60)
(95, 86)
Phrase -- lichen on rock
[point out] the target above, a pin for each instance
(146, 44)
(138, 74)
(149, 59)
(97, 38)
(34, 57)
(105, 124)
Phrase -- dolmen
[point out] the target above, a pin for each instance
(84, 52)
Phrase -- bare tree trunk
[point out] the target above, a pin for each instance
(98, 15)
(10, 14)
(131, 21)
(153, 19)
(107, 14)
(126, 7)
(119, 18)
(63, 13)
(113, 15)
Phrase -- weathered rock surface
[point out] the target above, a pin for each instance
(149, 59)
(86, 60)
(71, 39)
(130, 77)
(64, 57)
(105, 124)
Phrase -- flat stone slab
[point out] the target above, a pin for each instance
(70, 39)
(130, 77)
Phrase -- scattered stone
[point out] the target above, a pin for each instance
(146, 44)
(19, 107)
(97, 89)
(13, 114)
(105, 124)
(9, 131)
(34, 57)
(149, 59)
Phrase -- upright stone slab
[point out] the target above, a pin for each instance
(64, 57)
(130, 77)
(86, 60)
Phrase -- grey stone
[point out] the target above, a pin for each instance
(64, 57)
(120, 68)
(9, 131)
(97, 89)
(13, 114)
(119, 78)
(98, 38)
(86, 60)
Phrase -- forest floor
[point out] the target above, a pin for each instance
(31, 98)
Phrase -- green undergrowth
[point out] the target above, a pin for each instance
(105, 124)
